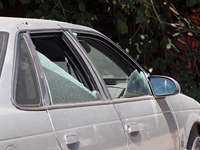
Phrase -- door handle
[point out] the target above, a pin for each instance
(71, 139)
(132, 128)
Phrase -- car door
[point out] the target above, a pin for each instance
(81, 119)
(148, 122)
(25, 123)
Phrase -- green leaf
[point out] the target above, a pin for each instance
(141, 9)
(83, 15)
(38, 11)
(166, 44)
(88, 24)
(185, 78)
(188, 57)
(126, 9)
(123, 2)
(114, 2)
(156, 3)
(45, 5)
(139, 18)
(107, 1)
(192, 52)
(122, 27)
(131, 4)
(50, 16)
(169, 43)
(76, 15)
(176, 34)
(12, 2)
(138, 48)
(182, 23)
(120, 16)
(29, 14)
(159, 59)
(142, 36)
(154, 45)
(170, 56)
(25, 1)
(1, 5)
(175, 72)
(136, 1)
(94, 16)
(163, 64)
(198, 56)
(88, 16)
(82, 6)
(191, 3)
(58, 15)
(81, 21)
(155, 65)
(127, 50)
(175, 48)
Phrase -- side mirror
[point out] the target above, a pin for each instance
(164, 86)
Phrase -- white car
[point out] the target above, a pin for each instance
(65, 86)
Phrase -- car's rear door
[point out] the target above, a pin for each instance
(25, 123)
(80, 118)
(148, 123)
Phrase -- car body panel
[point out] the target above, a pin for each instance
(25, 130)
(19, 126)
(186, 116)
(154, 128)
(96, 127)
(156, 123)
(84, 127)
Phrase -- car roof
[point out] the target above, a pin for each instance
(11, 24)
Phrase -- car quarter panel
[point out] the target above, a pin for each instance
(21, 129)
(26, 130)
(187, 112)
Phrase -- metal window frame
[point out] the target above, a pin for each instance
(38, 106)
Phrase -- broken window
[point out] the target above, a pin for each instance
(66, 78)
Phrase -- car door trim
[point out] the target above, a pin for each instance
(100, 102)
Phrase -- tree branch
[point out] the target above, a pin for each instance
(63, 10)
(155, 11)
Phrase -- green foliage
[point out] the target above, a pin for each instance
(12, 2)
(146, 29)
(1, 5)
(25, 1)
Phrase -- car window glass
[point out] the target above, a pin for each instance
(119, 83)
(27, 91)
(2, 36)
(3, 46)
(136, 85)
(113, 76)
(66, 83)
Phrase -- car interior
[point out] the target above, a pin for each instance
(66, 81)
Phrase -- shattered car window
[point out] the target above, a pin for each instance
(136, 85)
(63, 87)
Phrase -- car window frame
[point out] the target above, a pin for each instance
(41, 72)
(3, 49)
(124, 57)
(106, 98)
(40, 106)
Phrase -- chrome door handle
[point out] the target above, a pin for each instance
(132, 128)
(71, 139)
